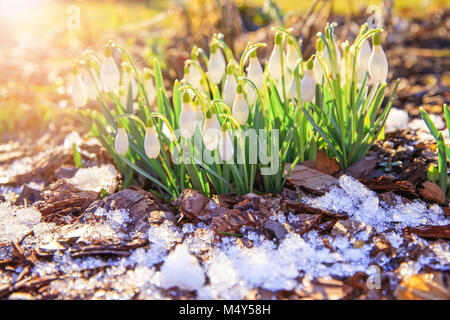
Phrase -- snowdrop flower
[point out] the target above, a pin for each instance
(91, 82)
(187, 117)
(292, 55)
(293, 93)
(166, 131)
(129, 80)
(364, 56)
(109, 73)
(229, 89)
(240, 107)
(79, 94)
(151, 142)
(254, 71)
(378, 64)
(150, 86)
(198, 113)
(226, 148)
(318, 69)
(274, 64)
(216, 64)
(193, 76)
(121, 143)
(211, 131)
(308, 83)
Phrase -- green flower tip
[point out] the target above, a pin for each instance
(149, 122)
(376, 39)
(208, 114)
(147, 74)
(186, 97)
(186, 69)
(278, 39)
(432, 173)
(230, 68)
(319, 45)
(310, 64)
(224, 127)
(108, 51)
(253, 54)
(194, 53)
(213, 48)
(119, 124)
(239, 88)
(196, 102)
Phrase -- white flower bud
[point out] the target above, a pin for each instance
(292, 56)
(216, 66)
(110, 75)
(211, 131)
(187, 120)
(121, 143)
(293, 94)
(255, 72)
(198, 113)
(79, 94)
(240, 107)
(92, 85)
(165, 130)
(274, 64)
(151, 90)
(229, 89)
(364, 56)
(226, 148)
(151, 143)
(378, 64)
(251, 94)
(308, 86)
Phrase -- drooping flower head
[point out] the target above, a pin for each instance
(129, 80)
(378, 64)
(150, 86)
(274, 64)
(151, 141)
(226, 148)
(308, 83)
(240, 108)
(216, 64)
(109, 73)
(91, 81)
(211, 130)
(121, 143)
(187, 117)
(229, 88)
(79, 94)
(292, 55)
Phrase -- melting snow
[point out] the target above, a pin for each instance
(397, 119)
(96, 178)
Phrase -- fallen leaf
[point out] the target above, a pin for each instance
(312, 180)
(425, 286)
(432, 192)
(325, 164)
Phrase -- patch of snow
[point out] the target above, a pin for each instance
(181, 269)
(96, 178)
(397, 120)
(17, 222)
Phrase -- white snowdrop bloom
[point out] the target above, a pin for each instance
(226, 148)
(229, 89)
(211, 131)
(378, 64)
(166, 131)
(216, 65)
(292, 55)
(193, 76)
(79, 94)
(151, 90)
(121, 143)
(364, 56)
(251, 94)
(151, 143)
(198, 113)
(130, 80)
(308, 84)
(255, 71)
(187, 117)
(293, 94)
(274, 64)
(318, 70)
(109, 73)
(240, 107)
(92, 83)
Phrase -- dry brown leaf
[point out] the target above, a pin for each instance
(312, 180)
(363, 166)
(432, 192)
(326, 164)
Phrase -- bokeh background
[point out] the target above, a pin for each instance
(39, 40)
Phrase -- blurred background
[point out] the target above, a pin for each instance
(39, 40)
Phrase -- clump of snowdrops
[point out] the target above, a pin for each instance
(231, 124)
